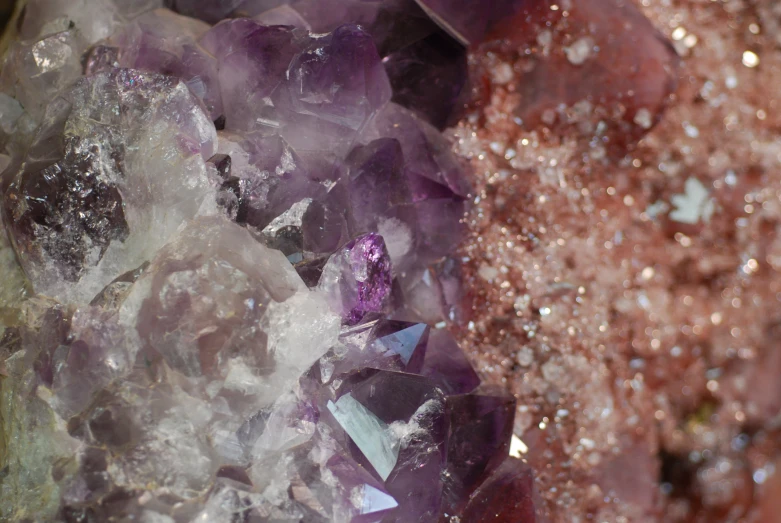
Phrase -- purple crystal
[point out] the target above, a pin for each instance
(245, 241)
(253, 59)
(418, 296)
(430, 78)
(403, 341)
(411, 189)
(381, 344)
(359, 278)
(410, 458)
(369, 265)
(507, 496)
(479, 432)
(376, 181)
(436, 180)
(433, 294)
(163, 42)
(334, 87)
(469, 21)
(374, 501)
(447, 365)
(427, 154)
(380, 199)
(324, 226)
(428, 70)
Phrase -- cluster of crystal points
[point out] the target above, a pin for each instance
(235, 236)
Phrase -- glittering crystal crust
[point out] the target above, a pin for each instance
(237, 237)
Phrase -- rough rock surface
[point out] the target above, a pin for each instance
(626, 285)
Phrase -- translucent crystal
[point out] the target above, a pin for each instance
(373, 437)
(93, 19)
(116, 166)
(36, 71)
(358, 278)
(163, 42)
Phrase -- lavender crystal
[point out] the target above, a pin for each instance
(234, 236)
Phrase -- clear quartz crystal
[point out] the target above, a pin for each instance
(120, 133)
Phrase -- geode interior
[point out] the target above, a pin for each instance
(237, 245)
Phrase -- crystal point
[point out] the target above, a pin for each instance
(359, 277)
(405, 340)
(467, 21)
(507, 496)
(447, 365)
(480, 428)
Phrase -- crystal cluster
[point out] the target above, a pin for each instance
(234, 239)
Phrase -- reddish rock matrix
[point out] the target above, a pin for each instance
(625, 285)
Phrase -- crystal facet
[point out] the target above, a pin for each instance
(467, 21)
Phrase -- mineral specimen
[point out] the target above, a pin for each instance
(234, 237)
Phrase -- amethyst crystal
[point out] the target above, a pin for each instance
(427, 69)
(380, 344)
(469, 21)
(163, 42)
(234, 241)
(359, 278)
(505, 497)
(448, 366)
(402, 441)
(252, 59)
(479, 439)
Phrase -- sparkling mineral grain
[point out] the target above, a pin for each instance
(627, 291)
